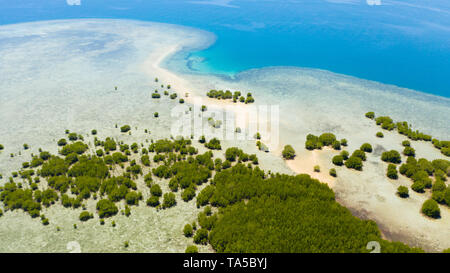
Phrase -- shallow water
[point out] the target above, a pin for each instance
(406, 43)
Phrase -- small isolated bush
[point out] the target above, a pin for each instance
(62, 142)
(156, 114)
(192, 249)
(406, 143)
(370, 115)
(403, 192)
(379, 134)
(188, 230)
(366, 147)
(85, 215)
(317, 169)
(333, 172)
(169, 200)
(94, 132)
(125, 128)
(288, 152)
(431, 209)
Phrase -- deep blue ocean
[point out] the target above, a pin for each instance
(405, 43)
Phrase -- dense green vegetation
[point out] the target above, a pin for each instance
(326, 139)
(405, 129)
(280, 213)
(259, 211)
(421, 172)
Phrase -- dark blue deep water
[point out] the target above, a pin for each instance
(405, 43)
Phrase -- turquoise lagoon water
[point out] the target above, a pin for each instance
(405, 43)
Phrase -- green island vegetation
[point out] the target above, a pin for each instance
(245, 208)
(366, 147)
(425, 175)
(404, 128)
(251, 201)
(288, 152)
(326, 139)
(228, 95)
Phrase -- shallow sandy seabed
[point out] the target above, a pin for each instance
(61, 75)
